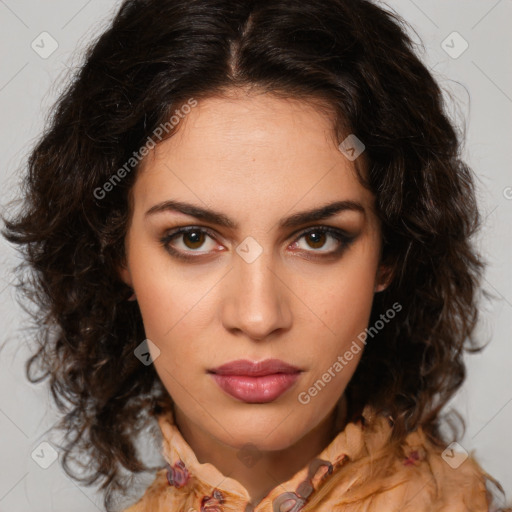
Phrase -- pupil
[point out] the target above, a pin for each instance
(195, 237)
(317, 238)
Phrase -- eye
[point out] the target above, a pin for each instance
(190, 239)
(317, 239)
(331, 240)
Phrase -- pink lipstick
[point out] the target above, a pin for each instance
(255, 382)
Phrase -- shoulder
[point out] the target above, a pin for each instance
(451, 478)
(426, 477)
(414, 475)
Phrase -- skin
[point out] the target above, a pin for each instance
(256, 158)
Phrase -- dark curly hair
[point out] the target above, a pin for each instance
(353, 57)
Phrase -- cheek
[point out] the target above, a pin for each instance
(335, 354)
(176, 312)
(165, 294)
(348, 301)
(344, 308)
(169, 307)
(349, 308)
(171, 314)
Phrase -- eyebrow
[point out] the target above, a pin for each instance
(294, 220)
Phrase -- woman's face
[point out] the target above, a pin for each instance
(256, 277)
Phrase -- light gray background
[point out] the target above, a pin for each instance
(480, 83)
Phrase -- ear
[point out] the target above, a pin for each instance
(383, 278)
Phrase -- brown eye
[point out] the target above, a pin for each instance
(323, 241)
(320, 238)
(184, 242)
(316, 239)
(193, 239)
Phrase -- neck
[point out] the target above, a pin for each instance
(273, 467)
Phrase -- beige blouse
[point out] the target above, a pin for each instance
(371, 479)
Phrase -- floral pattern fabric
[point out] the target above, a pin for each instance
(375, 479)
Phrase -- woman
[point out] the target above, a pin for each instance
(250, 222)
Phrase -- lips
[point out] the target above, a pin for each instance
(255, 369)
(255, 382)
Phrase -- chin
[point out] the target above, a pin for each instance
(268, 429)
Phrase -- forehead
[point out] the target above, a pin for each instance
(251, 150)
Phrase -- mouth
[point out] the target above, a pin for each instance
(255, 382)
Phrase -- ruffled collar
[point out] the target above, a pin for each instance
(211, 491)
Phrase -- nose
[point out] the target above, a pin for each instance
(256, 300)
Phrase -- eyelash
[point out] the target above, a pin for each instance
(344, 240)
